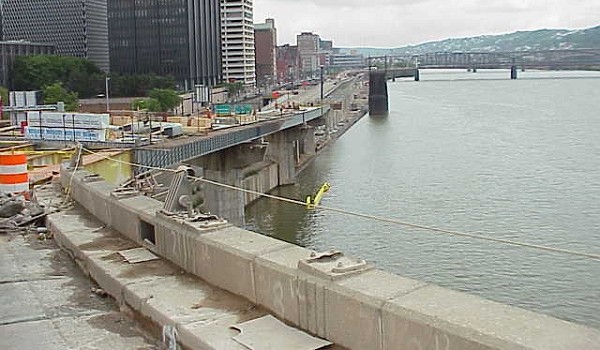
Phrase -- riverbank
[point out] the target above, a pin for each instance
(350, 116)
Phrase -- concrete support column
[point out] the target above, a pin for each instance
(378, 94)
(226, 167)
(283, 150)
(225, 203)
(308, 143)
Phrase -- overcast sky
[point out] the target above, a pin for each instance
(393, 23)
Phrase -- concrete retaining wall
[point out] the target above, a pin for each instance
(360, 309)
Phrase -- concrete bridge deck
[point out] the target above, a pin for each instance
(171, 152)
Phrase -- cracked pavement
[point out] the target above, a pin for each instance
(46, 302)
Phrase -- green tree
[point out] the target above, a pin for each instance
(4, 96)
(167, 98)
(75, 74)
(138, 85)
(56, 92)
(149, 104)
(81, 76)
(233, 89)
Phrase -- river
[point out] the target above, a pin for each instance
(469, 152)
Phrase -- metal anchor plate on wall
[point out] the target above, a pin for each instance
(333, 265)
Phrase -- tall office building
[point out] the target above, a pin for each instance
(75, 27)
(308, 50)
(265, 38)
(179, 38)
(237, 33)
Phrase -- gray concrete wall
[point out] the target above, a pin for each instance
(283, 151)
(338, 298)
(263, 181)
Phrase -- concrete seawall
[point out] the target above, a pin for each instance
(330, 295)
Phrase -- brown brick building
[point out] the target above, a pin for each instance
(265, 41)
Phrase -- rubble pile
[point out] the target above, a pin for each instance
(21, 213)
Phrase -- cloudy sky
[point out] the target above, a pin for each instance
(393, 23)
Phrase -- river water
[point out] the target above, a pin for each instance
(470, 152)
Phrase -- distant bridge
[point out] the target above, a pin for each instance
(409, 65)
(545, 59)
(395, 66)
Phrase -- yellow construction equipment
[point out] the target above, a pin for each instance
(312, 202)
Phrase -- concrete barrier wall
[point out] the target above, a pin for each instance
(363, 309)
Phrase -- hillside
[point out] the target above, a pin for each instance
(543, 39)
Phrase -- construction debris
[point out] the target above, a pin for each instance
(137, 255)
(268, 333)
(20, 213)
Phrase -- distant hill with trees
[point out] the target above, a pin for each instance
(543, 39)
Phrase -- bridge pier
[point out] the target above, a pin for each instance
(285, 148)
(513, 72)
(417, 75)
(378, 94)
(227, 167)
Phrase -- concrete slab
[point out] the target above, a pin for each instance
(276, 278)
(312, 304)
(225, 258)
(179, 246)
(85, 333)
(380, 284)
(144, 205)
(137, 255)
(48, 304)
(169, 300)
(268, 333)
(19, 304)
(201, 313)
(434, 316)
(124, 220)
(216, 336)
(363, 296)
(77, 218)
(246, 241)
(101, 209)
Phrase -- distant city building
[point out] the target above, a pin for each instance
(339, 60)
(75, 27)
(265, 39)
(308, 49)
(326, 45)
(179, 38)
(288, 63)
(10, 50)
(237, 36)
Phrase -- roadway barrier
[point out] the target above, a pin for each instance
(13, 173)
(327, 294)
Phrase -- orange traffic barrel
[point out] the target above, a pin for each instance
(13, 173)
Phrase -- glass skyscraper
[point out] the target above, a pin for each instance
(75, 27)
(180, 38)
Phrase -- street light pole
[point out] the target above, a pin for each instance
(322, 67)
(106, 94)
